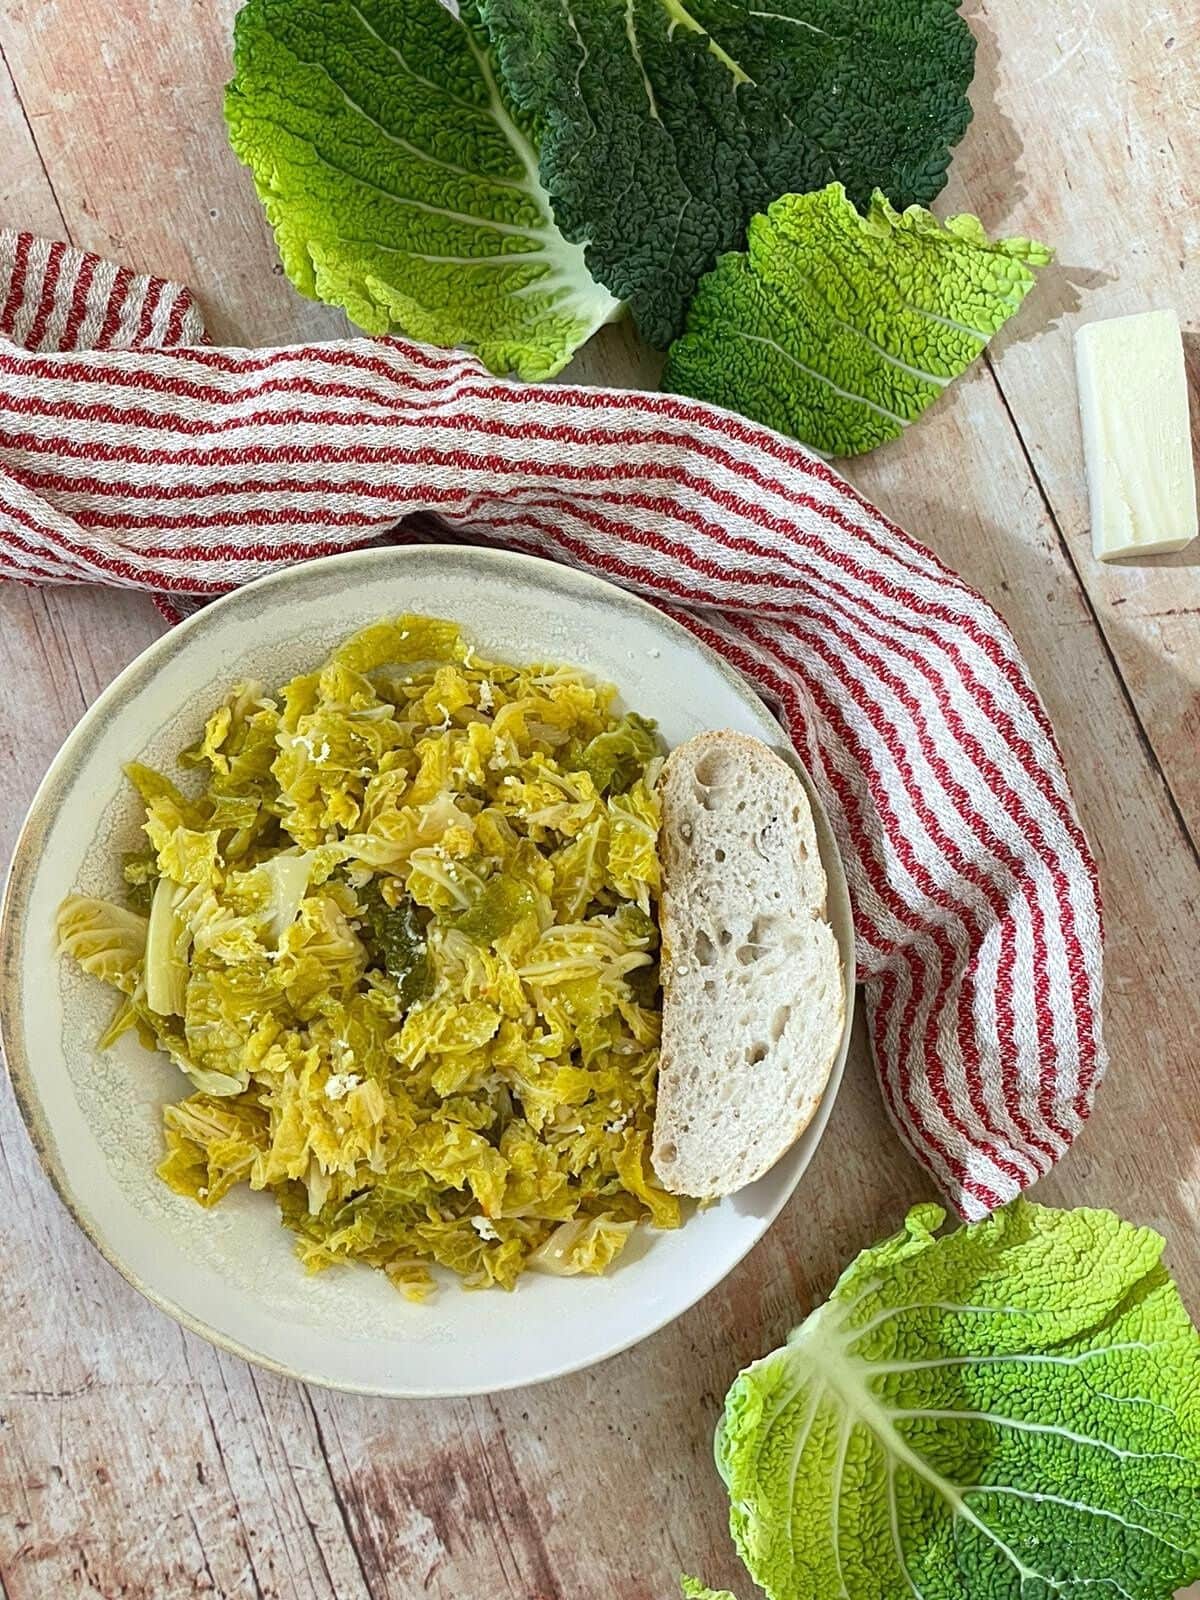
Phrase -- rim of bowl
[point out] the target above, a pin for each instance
(59, 777)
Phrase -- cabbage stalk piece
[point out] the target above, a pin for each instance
(168, 939)
(841, 329)
(402, 181)
(667, 124)
(1010, 1410)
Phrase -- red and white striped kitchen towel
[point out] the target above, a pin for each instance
(126, 458)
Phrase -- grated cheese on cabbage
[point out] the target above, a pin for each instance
(403, 945)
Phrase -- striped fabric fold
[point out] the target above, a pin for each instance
(132, 454)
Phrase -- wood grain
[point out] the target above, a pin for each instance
(26, 198)
(1111, 179)
(137, 1462)
(126, 100)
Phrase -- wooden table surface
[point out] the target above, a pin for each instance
(136, 1461)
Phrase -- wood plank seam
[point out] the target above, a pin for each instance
(338, 1497)
(1151, 753)
(234, 1499)
(268, 1424)
(37, 149)
(528, 1514)
(199, 1537)
(543, 1573)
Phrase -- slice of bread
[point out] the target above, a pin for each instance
(753, 991)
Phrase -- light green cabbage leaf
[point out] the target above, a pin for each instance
(614, 759)
(586, 1244)
(841, 329)
(402, 183)
(286, 883)
(107, 941)
(1011, 1410)
(212, 1144)
(633, 820)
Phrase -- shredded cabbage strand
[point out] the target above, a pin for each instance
(401, 938)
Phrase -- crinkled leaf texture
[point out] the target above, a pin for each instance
(403, 943)
(1010, 1410)
(401, 183)
(841, 329)
(666, 126)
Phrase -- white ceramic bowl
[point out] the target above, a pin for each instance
(230, 1274)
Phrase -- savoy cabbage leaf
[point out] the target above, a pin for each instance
(1011, 1410)
(841, 329)
(401, 182)
(106, 939)
(665, 126)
